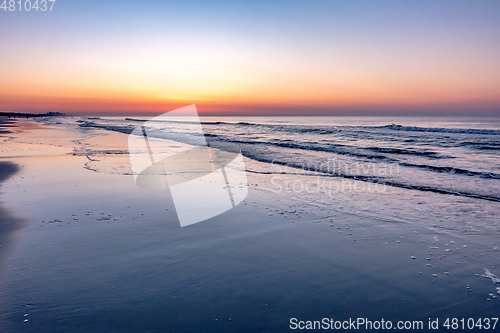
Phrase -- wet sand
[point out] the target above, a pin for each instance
(5, 124)
(9, 223)
(103, 255)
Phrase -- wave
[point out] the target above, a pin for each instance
(488, 148)
(114, 128)
(385, 159)
(333, 129)
(132, 119)
(402, 151)
(280, 128)
(333, 150)
(442, 130)
(178, 121)
(312, 147)
(256, 144)
(453, 171)
(485, 145)
(372, 179)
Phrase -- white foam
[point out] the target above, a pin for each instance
(493, 277)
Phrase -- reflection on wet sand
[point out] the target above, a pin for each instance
(8, 222)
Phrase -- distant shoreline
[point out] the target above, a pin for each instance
(31, 115)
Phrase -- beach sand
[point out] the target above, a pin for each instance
(100, 254)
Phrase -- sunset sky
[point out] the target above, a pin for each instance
(253, 57)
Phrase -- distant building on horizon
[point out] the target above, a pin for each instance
(52, 114)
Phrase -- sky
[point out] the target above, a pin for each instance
(255, 57)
